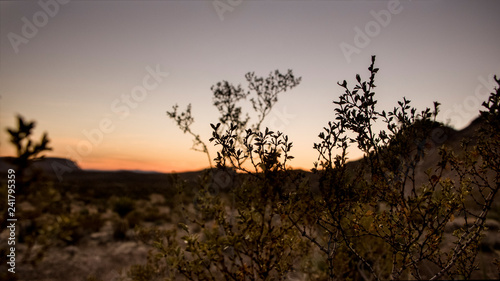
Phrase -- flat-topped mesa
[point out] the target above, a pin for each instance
(47, 164)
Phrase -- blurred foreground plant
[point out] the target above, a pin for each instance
(26, 149)
(44, 210)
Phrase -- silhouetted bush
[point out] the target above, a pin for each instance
(28, 152)
(123, 205)
(120, 228)
(378, 218)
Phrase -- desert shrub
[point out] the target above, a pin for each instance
(246, 233)
(47, 221)
(123, 205)
(152, 214)
(141, 272)
(378, 218)
(147, 214)
(383, 202)
(27, 150)
(90, 222)
(135, 218)
(227, 98)
(120, 228)
(69, 229)
(158, 266)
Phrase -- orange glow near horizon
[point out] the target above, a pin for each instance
(113, 164)
(152, 165)
(186, 165)
(153, 156)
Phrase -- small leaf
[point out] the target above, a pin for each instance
(184, 227)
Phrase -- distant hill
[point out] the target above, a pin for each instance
(45, 164)
(441, 135)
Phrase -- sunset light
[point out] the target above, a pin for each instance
(99, 77)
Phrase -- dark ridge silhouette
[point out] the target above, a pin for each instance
(45, 164)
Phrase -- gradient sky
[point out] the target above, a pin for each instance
(71, 73)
